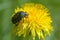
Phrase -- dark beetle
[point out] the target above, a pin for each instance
(18, 16)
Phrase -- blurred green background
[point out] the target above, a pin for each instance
(7, 8)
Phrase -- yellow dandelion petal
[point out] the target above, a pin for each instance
(38, 21)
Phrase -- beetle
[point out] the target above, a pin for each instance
(18, 16)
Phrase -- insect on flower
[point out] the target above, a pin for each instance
(33, 20)
(18, 16)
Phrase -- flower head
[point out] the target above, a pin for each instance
(38, 21)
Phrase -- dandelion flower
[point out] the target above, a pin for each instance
(37, 23)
